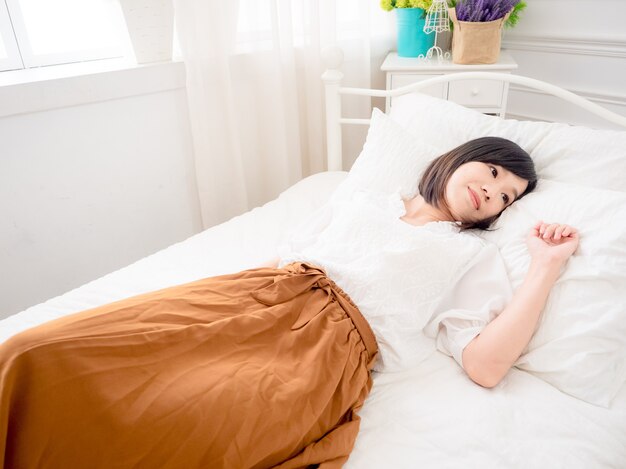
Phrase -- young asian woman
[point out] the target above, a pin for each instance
(267, 367)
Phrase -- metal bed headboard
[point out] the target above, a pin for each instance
(333, 58)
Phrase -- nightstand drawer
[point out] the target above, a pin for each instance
(478, 93)
(489, 96)
(399, 80)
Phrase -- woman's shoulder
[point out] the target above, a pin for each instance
(456, 234)
(466, 241)
(473, 236)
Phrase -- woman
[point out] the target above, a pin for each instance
(267, 367)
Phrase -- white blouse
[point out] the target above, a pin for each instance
(421, 288)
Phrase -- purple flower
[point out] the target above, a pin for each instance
(483, 10)
(479, 10)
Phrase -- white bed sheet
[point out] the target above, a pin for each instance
(433, 416)
(243, 242)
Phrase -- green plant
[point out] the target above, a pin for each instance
(389, 5)
(514, 17)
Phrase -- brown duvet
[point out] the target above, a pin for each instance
(261, 368)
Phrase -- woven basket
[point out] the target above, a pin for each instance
(476, 42)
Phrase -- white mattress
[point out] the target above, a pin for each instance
(433, 416)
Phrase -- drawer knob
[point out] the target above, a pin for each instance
(475, 91)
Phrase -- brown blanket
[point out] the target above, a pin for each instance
(262, 368)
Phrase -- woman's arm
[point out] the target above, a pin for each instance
(490, 355)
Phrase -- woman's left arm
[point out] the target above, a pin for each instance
(490, 355)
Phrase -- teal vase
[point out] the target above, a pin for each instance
(412, 40)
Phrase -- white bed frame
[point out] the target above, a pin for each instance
(333, 58)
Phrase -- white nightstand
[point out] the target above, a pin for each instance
(487, 96)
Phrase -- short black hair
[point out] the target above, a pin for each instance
(494, 150)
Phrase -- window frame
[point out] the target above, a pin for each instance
(14, 59)
(30, 60)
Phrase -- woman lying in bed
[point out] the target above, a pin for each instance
(267, 367)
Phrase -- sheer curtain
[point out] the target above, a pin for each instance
(256, 100)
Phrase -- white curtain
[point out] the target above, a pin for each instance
(256, 100)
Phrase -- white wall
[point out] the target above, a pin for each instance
(87, 189)
(579, 45)
(96, 174)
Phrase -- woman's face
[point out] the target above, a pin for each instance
(477, 191)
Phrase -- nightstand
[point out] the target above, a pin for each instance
(487, 96)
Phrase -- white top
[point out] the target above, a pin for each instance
(421, 288)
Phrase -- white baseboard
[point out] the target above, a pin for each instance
(525, 104)
(599, 98)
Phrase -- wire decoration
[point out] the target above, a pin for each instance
(437, 21)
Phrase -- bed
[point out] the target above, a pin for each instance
(547, 412)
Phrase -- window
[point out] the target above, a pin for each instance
(35, 33)
(9, 54)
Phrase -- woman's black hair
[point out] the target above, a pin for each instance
(493, 150)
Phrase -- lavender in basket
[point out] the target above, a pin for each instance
(483, 10)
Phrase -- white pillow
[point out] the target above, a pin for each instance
(580, 342)
(561, 152)
(391, 159)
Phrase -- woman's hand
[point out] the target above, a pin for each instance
(552, 242)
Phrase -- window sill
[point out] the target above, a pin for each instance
(45, 88)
